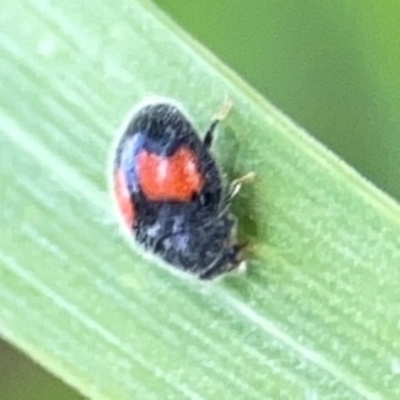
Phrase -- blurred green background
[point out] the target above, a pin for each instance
(333, 66)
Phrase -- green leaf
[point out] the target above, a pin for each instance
(316, 315)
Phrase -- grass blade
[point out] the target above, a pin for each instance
(317, 314)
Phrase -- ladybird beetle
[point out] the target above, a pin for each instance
(170, 194)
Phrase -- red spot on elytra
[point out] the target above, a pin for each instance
(124, 202)
(174, 178)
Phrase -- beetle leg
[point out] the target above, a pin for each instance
(231, 259)
(221, 114)
(234, 189)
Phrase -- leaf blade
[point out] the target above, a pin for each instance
(299, 324)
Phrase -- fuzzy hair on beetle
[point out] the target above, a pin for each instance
(169, 193)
